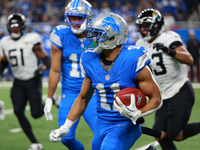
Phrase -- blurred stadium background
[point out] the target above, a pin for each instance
(43, 15)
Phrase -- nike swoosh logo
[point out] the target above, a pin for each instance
(120, 125)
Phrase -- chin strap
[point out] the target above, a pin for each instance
(81, 29)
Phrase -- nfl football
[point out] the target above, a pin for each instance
(125, 97)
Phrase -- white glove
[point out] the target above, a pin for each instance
(58, 134)
(47, 109)
(130, 112)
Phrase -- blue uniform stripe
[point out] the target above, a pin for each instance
(75, 4)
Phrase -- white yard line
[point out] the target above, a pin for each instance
(16, 130)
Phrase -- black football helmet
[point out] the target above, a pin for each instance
(16, 19)
(152, 21)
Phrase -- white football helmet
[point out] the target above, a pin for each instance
(79, 8)
(105, 26)
(152, 21)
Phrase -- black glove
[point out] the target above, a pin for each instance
(39, 71)
(160, 46)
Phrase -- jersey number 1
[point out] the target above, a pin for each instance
(74, 72)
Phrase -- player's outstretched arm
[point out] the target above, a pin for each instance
(42, 55)
(54, 78)
(76, 111)
(82, 100)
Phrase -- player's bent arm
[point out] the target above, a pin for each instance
(183, 55)
(150, 88)
(3, 63)
(81, 101)
(42, 55)
(54, 74)
(54, 78)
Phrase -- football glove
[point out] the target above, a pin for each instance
(39, 71)
(58, 134)
(160, 46)
(47, 109)
(130, 112)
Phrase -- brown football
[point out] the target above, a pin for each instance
(125, 97)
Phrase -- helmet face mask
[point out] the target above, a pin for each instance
(108, 30)
(150, 23)
(82, 11)
(96, 34)
(16, 25)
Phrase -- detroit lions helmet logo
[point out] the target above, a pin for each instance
(109, 21)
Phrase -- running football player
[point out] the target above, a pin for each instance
(169, 60)
(109, 68)
(22, 52)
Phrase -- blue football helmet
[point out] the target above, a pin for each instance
(81, 9)
(105, 26)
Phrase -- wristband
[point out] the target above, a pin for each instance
(68, 124)
(49, 100)
(172, 52)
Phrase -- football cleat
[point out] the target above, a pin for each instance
(151, 147)
(36, 146)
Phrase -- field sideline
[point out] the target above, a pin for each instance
(13, 138)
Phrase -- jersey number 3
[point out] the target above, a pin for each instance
(160, 63)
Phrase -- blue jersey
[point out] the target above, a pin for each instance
(72, 47)
(129, 63)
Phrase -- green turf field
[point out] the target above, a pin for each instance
(17, 140)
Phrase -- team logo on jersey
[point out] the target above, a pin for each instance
(63, 96)
(109, 21)
(107, 77)
(82, 45)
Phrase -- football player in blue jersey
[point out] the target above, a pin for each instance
(109, 68)
(66, 49)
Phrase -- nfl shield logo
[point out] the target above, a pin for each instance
(63, 96)
(82, 45)
(107, 77)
